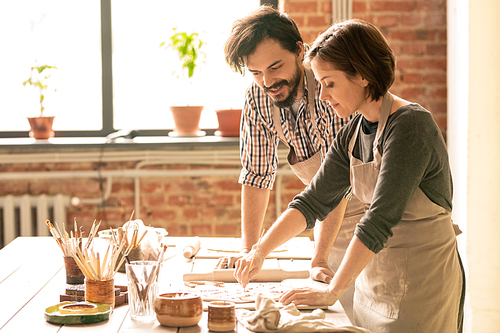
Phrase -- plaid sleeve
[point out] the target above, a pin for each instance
(258, 143)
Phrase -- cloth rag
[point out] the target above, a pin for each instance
(268, 317)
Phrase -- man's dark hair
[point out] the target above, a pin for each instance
(247, 33)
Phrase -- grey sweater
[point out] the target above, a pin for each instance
(414, 155)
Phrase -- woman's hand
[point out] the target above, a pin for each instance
(230, 261)
(308, 296)
(249, 266)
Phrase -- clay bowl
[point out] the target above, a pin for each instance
(178, 309)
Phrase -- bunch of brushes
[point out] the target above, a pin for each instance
(92, 265)
(72, 242)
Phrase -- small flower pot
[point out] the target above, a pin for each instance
(41, 127)
(229, 122)
(186, 119)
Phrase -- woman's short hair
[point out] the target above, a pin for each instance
(248, 32)
(358, 47)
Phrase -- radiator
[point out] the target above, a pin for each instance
(26, 215)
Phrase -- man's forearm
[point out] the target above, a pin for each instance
(253, 209)
(327, 233)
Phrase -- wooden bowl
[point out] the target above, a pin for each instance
(178, 309)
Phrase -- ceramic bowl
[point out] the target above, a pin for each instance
(178, 309)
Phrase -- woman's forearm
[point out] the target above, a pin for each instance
(355, 260)
(289, 224)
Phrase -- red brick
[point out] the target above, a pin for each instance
(187, 186)
(429, 64)
(426, 34)
(411, 78)
(416, 49)
(438, 93)
(228, 230)
(396, 6)
(403, 35)
(122, 186)
(223, 200)
(198, 200)
(190, 213)
(412, 94)
(153, 200)
(233, 213)
(403, 64)
(435, 19)
(301, 7)
(435, 78)
(150, 187)
(228, 185)
(167, 215)
(410, 19)
(326, 6)
(387, 21)
(177, 200)
(299, 21)
(358, 6)
(210, 214)
(177, 230)
(318, 21)
(427, 5)
(201, 229)
(437, 49)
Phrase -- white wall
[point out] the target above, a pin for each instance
(474, 146)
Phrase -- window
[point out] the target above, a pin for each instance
(112, 72)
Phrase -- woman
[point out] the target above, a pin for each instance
(403, 256)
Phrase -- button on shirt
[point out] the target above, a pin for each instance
(259, 137)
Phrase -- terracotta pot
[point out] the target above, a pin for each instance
(229, 122)
(186, 119)
(41, 127)
(178, 309)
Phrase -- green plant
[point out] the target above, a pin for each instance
(188, 47)
(38, 80)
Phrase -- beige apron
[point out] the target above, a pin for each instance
(305, 171)
(414, 284)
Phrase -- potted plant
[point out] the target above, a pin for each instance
(41, 126)
(188, 47)
(229, 122)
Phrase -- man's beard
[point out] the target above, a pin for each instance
(293, 83)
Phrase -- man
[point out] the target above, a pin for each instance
(284, 104)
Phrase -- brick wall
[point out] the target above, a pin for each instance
(210, 206)
(416, 31)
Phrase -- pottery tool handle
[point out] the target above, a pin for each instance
(265, 275)
(192, 248)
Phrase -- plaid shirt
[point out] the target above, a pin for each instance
(259, 138)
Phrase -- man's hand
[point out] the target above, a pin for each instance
(322, 272)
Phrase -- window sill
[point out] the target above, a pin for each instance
(140, 142)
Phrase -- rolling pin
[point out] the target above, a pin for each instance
(265, 275)
(192, 248)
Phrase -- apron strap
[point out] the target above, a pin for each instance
(385, 111)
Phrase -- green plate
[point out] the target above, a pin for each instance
(52, 315)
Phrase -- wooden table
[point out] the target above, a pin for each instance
(32, 278)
